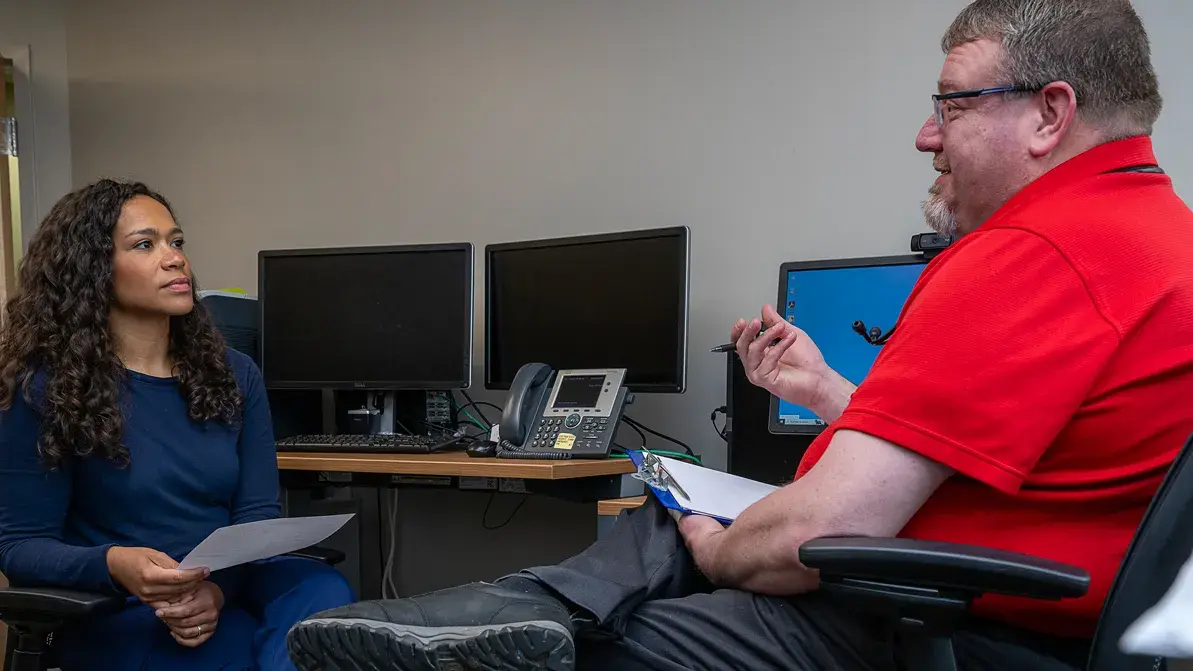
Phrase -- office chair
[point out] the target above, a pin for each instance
(33, 614)
(927, 586)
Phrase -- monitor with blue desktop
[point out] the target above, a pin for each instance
(826, 299)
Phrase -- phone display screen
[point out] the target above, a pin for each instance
(579, 391)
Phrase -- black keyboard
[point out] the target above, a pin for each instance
(369, 443)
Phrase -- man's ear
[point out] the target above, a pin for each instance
(1056, 105)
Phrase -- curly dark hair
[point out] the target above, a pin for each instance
(56, 323)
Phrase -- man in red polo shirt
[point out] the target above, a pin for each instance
(1032, 397)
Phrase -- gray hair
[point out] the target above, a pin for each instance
(1099, 47)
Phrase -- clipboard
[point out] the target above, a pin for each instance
(695, 490)
(656, 476)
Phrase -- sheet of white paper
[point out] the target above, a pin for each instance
(714, 492)
(243, 543)
(1165, 629)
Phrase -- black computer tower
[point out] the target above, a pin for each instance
(753, 451)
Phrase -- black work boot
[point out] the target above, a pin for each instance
(476, 626)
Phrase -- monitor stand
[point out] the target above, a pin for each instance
(413, 411)
(371, 412)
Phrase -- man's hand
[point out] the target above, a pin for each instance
(792, 368)
(193, 618)
(703, 536)
(151, 576)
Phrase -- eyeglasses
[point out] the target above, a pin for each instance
(938, 108)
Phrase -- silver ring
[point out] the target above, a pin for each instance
(200, 628)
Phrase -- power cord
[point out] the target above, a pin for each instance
(723, 410)
(387, 516)
(636, 430)
(393, 543)
(642, 427)
(483, 421)
(508, 519)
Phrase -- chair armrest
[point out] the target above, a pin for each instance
(952, 567)
(18, 604)
(326, 555)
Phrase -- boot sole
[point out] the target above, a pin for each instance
(369, 645)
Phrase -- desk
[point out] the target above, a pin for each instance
(613, 507)
(453, 464)
(608, 510)
(584, 480)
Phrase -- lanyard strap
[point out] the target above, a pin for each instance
(1147, 167)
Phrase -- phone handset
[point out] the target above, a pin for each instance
(524, 405)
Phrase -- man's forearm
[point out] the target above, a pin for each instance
(759, 551)
(832, 396)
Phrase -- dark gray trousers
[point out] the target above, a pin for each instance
(651, 609)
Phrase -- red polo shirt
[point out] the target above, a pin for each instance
(1047, 357)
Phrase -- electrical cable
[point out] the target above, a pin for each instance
(713, 418)
(508, 519)
(639, 425)
(478, 404)
(624, 454)
(436, 426)
(665, 453)
(388, 578)
(474, 421)
(636, 430)
(464, 393)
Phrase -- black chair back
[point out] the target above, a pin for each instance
(1160, 548)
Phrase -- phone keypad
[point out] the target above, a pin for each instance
(589, 431)
(547, 433)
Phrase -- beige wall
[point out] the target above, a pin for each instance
(777, 130)
(44, 124)
(293, 123)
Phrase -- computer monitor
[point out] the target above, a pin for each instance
(599, 301)
(373, 318)
(825, 298)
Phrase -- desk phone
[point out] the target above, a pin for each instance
(569, 414)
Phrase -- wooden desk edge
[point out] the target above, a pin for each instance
(612, 507)
(453, 464)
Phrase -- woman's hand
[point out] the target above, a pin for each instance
(193, 618)
(152, 576)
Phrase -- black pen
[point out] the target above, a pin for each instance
(731, 346)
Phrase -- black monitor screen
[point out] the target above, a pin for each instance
(602, 301)
(367, 318)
